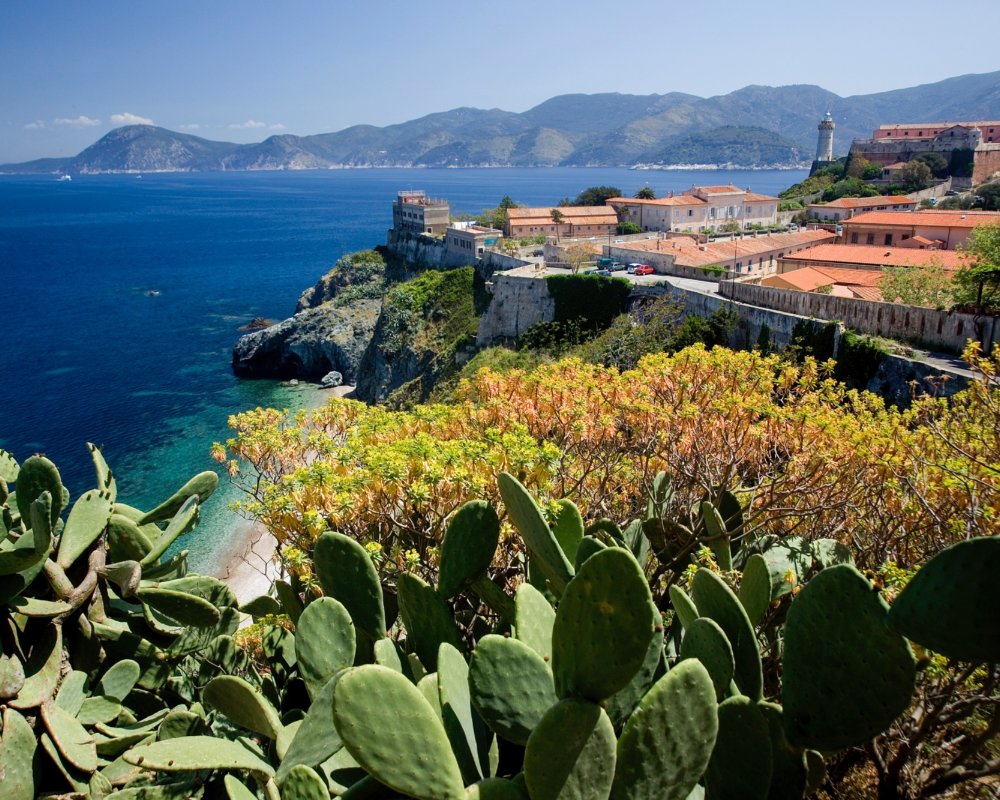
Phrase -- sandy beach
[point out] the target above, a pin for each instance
(249, 566)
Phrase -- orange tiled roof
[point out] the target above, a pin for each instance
(688, 253)
(726, 189)
(753, 197)
(874, 256)
(862, 202)
(808, 279)
(867, 293)
(677, 200)
(593, 215)
(937, 219)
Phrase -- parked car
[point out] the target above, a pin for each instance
(606, 273)
(632, 268)
(643, 269)
(617, 266)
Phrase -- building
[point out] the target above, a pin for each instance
(699, 209)
(415, 212)
(744, 255)
(561, 221)
(847, 207)
(867, 257)
(972, 148)
(464, 243)
(950, 229)
(860, 284)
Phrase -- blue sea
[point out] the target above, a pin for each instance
(121, 297)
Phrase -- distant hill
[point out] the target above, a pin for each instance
(754, 126)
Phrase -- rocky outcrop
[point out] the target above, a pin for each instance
(311, 344)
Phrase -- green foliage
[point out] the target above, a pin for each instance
(961, 163)
(815, 183)
(595, 196)
(936, 162)
(628, 228)
(592, 299)
(496, 217)
(930, 286)
(915, 175)
(848, 187)
(645, 193)
(978, 282)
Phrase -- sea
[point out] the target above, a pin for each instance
(121, 297)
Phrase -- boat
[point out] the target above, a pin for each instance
(65, 177)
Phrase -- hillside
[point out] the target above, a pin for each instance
(753, 126)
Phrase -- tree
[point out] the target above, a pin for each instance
(645, 193)
(496, 217)
(596, 195)
(577, 255)
(557, 216)
(978, 282)
(627, 228)
(915, 175)
(929, 286)
(937, 163)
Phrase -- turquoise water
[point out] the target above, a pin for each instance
(121, 299)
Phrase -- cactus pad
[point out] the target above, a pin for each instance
(468, 734)
(755, 587)
(716, 600)
(324, 642)
(86, 522)
(17, 751)
(73, 741)
(538, 537)
(243, 704)
(511, 686)
(683, 605)
(571, 753)
(345, 571)
(194, 753)
(740, 768)
(567, 527)
(304, 783)
(533, 619)
(203, 485)
(667, 742)
(706, 641)
(428, 620)
(392, 731)
(316, 739)
(186, 609)
(605, 621)
(38, 475)
(846, 675)
(468, 547)
(951, 606)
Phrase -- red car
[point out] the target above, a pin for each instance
(643, 269)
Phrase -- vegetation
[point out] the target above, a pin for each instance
(645, 193)
(628, 228)
(978, 282)
(930, 286)
(496, 217)
(593, 299)
(815, 183)
(593, 196)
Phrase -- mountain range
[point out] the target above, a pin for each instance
(755, 126)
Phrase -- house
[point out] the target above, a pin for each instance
(846, 207)
(699, 209)
(867, 257)
(860, 284)
(893, 228)
(568, 221)
(465, 242)
(415, 212)
(744, 255)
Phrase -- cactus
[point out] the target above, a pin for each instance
(303, 783)
(683, 605)
(852, 687)
(623, 702)
(494, 789)
(41, 672)
(533, 620)
(538, 537)
(603, 627)
(316, 738)
(193, 753)
(706, 641)
(567, 527)
(73, 741)
(511, 686)
(201, 485)
(950, 606)
(587, 547)
(740, 767)
(392, 731)
(571, 753)
(324, 642)
(470, 739)
(755, 587)
(38, 475)
(468, 547)
(427, 618)
(180, 608)
(243, 704)
(345, 572)
(86, 522)
(667, 743)
(718, 536)
(716, 600)
(17, 752)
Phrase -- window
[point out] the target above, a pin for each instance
(854, 238)
(711, 212)
(870, 238)
(888, 238)
(690, 212)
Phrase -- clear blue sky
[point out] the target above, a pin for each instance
(240, 70)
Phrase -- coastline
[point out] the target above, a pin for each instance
(248, 565)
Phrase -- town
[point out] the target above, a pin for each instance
(852, 259)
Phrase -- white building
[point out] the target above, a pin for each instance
(699, 209)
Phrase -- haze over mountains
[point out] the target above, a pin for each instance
(755, 126)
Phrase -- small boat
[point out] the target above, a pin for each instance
(65, 178)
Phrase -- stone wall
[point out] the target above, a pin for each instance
(927, 327)
(519, 302)
(417, 248)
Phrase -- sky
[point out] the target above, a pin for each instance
(242, 70)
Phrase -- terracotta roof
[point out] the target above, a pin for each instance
(923, 125)
(864, 202)
(752, 197)
(874, 256)
(867, 293)
(688, 253)
(585, 215)
(937, 219)
(897, 165)
(924, 241)
(676, 200)
(808, 279)
(727, 189)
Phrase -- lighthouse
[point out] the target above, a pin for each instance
(824, 143)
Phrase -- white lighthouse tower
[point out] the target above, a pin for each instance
(824, 144)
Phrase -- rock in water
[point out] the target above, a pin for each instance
(331, 380)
